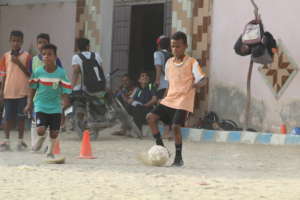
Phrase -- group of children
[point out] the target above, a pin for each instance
(39, 79)
(42, 80)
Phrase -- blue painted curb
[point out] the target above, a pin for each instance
(202, 135)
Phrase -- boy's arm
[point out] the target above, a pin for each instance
(3, 75)
(158, 62)
(151, 102)
(2, 88)
(15, 60)
(30, 96)
(199, 75)
(76, 74)
(66, 101)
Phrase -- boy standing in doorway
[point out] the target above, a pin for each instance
(14, 89)
(184, 75)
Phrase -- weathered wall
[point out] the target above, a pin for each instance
(194, 18)
(274, 89)
(88, 22)
(57, 19)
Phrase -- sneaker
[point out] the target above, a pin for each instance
(39, 143)
(4, 147)
(22, 146)
(178, 162)
(50, 156)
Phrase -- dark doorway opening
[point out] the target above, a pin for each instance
(147, 23)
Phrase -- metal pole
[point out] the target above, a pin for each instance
(248, 100)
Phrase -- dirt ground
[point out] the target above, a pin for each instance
(211, 172)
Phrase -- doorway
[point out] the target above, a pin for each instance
(147, 24)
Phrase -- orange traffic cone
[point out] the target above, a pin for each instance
(86, 150)
(56, 149)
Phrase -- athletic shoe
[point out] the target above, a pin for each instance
(22, 146)
(178, 162)
(4, 147)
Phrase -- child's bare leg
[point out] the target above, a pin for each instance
(53, 139)
(152, 122)
(21, 128)
(8, 125)
(41, 131)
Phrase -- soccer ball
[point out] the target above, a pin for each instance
(158, 155)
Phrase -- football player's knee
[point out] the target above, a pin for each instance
(53, 134)
(41, 131)
(150, 118)
(176, 127)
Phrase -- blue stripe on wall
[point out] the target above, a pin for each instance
(208, 135)
(234, 137)
(292, 139)
(264, 138)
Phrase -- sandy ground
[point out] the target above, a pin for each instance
(211, 172)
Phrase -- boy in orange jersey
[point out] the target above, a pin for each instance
(14, 67)
(184, 75)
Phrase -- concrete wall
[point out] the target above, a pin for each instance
(106, 33)
(57, 19)
(228, 72)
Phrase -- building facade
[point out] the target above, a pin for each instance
(124, 33)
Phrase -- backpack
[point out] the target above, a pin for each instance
(92, 73)
(253, 33)
(240, 48)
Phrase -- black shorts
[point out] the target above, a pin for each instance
(48, 120)
(169, 115)
(14, 108)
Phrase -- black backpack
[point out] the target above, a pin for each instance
(93, 76)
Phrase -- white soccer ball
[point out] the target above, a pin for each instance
(158, 155)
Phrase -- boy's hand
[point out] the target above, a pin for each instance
(28, 108)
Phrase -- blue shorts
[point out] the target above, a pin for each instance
(14, 109)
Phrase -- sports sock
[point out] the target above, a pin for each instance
(51, 146)
(178, 148)
(158, 139)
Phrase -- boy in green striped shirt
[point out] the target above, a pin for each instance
(49, 85)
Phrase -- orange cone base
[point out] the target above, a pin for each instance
(87, 157)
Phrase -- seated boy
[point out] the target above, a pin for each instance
(143, 100)
(126, 90)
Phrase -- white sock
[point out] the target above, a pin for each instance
(51, 146)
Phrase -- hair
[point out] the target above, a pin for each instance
(143, 72)
(82, 44)
(180, 36)
(43, 36)
(16, 34)
(164, 43)
(50, 46)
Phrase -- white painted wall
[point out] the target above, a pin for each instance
(106, 33)
(57, 19)
(230, 70)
